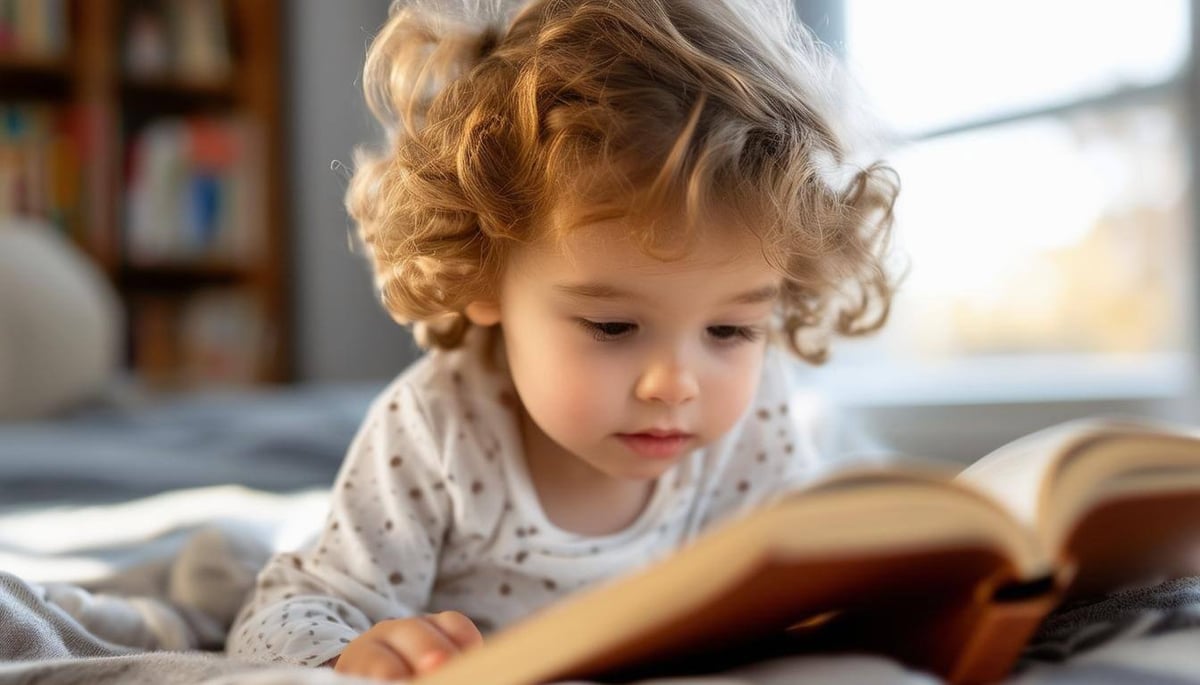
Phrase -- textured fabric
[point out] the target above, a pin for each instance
(209, 577)
(33, 628)
(434, 510)
(1124, 615)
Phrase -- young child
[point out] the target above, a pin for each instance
(605, 218)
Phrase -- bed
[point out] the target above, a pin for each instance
(130, 531)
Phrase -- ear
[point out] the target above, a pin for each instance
(484, 312)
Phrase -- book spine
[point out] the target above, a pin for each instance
(8, 26)
(221, 338)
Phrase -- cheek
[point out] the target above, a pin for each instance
(564, 384)
(730, 393)
(574, 381)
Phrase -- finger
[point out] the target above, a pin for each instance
(422, 644)
(458, 628)
(373, 658)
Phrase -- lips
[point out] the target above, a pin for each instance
(656, 443)
(662, 433)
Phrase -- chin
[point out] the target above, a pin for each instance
(647, 472)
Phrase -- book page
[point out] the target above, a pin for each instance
(1016, 473)
(1127, 462)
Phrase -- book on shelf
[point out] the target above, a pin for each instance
(187, 40)
(194, 192)
(154, 339)
(41, 171)
(145, 42)
(203, 44)
(223, 338)
(34, 29)
(947, 573)
(214, 338)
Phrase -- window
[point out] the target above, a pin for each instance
(1046, 198)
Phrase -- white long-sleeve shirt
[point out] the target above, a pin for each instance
(434, 510)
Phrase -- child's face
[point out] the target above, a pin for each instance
(626, 362)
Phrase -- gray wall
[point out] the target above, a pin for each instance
(341, 333)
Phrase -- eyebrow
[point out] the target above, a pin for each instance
(602, 291)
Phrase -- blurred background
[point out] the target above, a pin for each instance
(171, 219)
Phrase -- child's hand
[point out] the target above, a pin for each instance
(408, 647)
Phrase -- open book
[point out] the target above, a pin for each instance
(946, 573)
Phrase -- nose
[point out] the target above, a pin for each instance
(668, 381)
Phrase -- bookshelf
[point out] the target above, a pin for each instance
(148, 131)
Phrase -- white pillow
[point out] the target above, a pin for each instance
(60, 322)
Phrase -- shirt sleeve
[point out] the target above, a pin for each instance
(377, 555)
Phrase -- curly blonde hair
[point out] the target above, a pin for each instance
(647, 108)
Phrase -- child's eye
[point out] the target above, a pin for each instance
(734, 334)
(607, 330)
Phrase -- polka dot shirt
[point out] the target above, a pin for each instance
(433, 510)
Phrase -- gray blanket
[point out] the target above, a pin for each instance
(60, 633)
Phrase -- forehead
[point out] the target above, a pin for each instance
(719, 237)
(722, 259)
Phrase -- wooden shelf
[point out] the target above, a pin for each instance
(15, 62)
(172, 95)
(35, 77)
(183, 275)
